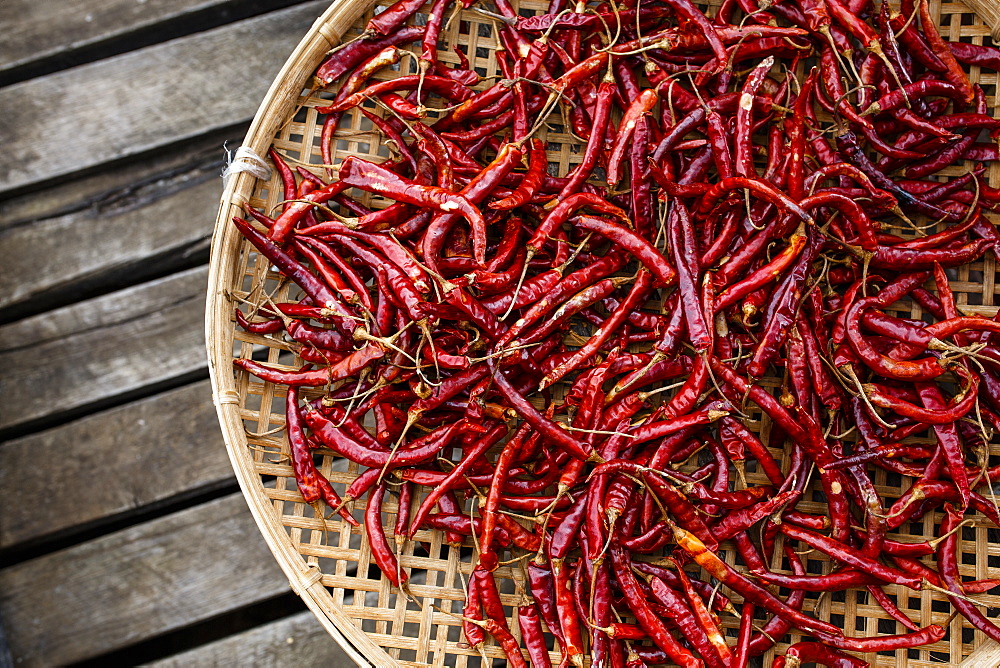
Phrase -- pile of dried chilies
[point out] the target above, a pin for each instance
(585, 349)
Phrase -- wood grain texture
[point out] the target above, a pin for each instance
(35, 29)
(145, 452)
(118, 184)
(86, 237)
(298, 640)
(92, 351)
(136, 584)
(140, 101)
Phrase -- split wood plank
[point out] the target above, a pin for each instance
(88, 353)
(143, 453)
(146, 99)
(299, 640)
(136, 584)
(136, 222)
(118, 183)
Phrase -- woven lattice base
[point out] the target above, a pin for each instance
(329, 564)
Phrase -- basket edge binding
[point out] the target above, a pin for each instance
(280, 99)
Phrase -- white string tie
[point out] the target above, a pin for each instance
(245, 160)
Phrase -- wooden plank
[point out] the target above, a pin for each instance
(136, 584)
(117, 185)
(6, 660)
(146, 99)
(133, 227)
(86, 354)
(298, 640)
(145, 452)
(36, 30)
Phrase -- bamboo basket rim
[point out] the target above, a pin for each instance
(325, 33)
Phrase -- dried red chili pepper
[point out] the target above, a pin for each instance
(473, 325)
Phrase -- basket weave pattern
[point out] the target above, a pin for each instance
(328, 563)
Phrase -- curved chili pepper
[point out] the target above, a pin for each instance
(547, 427)
(641, 249)
(641, 105)
(443, 86)
(648, 620)
(765, 274)
(537, 166)
(640, 291)
(721, 571)
(951, 413)
(377, 541)
(806, 652)
(418, 451)
(312, 484)
(926, 368)
(848, 556)
(477, 189)
(345, 368)
(347, 56)
(529, 624)
(486, 441)
(373, 178)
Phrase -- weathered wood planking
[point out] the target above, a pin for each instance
(136, 584)
(95, 350)
(115, 184)
(298, 640)
(134, 223)
(142, 453)
(144, 100)
(38, 29)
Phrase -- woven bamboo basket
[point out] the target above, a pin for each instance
(327, 563)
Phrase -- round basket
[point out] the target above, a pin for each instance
(328, 564)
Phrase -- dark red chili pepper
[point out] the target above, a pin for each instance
(765, 274)
(848, 556)
(953, 72)
(311, 483)
(638, 294)
(418, 451)
(926, 368)
(806, 652)
(641, 249)
(485, 442)
(373, 178)
(345, 368)
(343, 58)
(549, 428)
(925, 636)
(951, 413)
(648, 620)
(537, 166)
(321, 295)
(377, 541)
(443, 86)
(951, 449)
(271, 326)
(529, 623)
(721, 571)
